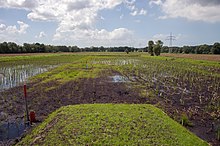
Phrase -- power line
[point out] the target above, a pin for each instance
(171, 38)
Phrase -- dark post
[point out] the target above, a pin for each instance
(26, 104)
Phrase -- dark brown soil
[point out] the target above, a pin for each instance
(44, 99)
(194, 56)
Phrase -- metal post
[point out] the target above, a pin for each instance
(26, 104)
(171, 38)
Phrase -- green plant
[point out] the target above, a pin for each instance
(184, 120)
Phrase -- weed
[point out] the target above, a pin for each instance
(184, 120)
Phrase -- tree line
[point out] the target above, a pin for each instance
(157, 48)
(152, 48)
(200, 49)
(11, 47)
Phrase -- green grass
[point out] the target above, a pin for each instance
(80, 68)
(120, 124)
(110, 124)
(40, 59)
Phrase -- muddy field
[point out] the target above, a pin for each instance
(194, 56)
(188, 91)
(104, 89)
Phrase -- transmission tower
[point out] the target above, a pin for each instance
(171, 38)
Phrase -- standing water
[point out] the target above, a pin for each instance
(11, 76)
(12, 130)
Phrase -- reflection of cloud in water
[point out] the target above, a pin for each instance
(2, 75)
(12, 76)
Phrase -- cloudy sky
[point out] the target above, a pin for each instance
(110, 22)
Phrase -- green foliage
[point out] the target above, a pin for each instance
(150, 48)
(127, 51)
(184, 120)
(11, 47)
(165, 49)
(157, 49)
(110, 124)
(159, 43)
(216, 48)
(186, 49)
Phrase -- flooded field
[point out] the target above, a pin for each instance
(187, 90)
(11, 76)
(12, 130)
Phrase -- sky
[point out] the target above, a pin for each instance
(106, 23)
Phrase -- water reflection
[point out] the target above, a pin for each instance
(12, 130)
(118, 62)
(119, 79)
(11, 76)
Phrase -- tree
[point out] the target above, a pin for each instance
(160, 43)
(150, 48)
(186, 49)
(127, 51)
(204, 49)
(216, 48)
(12, 47)
(157, 48)
(165, 49)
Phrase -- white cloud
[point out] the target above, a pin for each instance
(2, 27)
(102, 18)
(160, 37)
(23, 27)
(11, 32)
(42, 34)
(196, 10)
(19, 4)
(12, 29)
(93, 37)
(142, 12)
(134, 13)
(76, 19)
(134, 10)
(156, 2)
(122, 16)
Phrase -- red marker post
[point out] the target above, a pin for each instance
(26, 104)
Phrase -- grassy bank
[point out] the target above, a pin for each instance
(110, 124)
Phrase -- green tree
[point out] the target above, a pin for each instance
(165, 49)
(216, 48)
(186, 49)
(127, 51)
(150, 48)
(12, 47)
(157, 48)
(160, 43)
(204, 49)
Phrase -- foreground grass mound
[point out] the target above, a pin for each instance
(110, 124)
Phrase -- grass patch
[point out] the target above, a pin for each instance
(110, 124)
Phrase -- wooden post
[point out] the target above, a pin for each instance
(26, 104)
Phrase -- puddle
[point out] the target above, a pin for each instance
(12, 130)
(119, 79)
(11, 76)
(118, 62)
